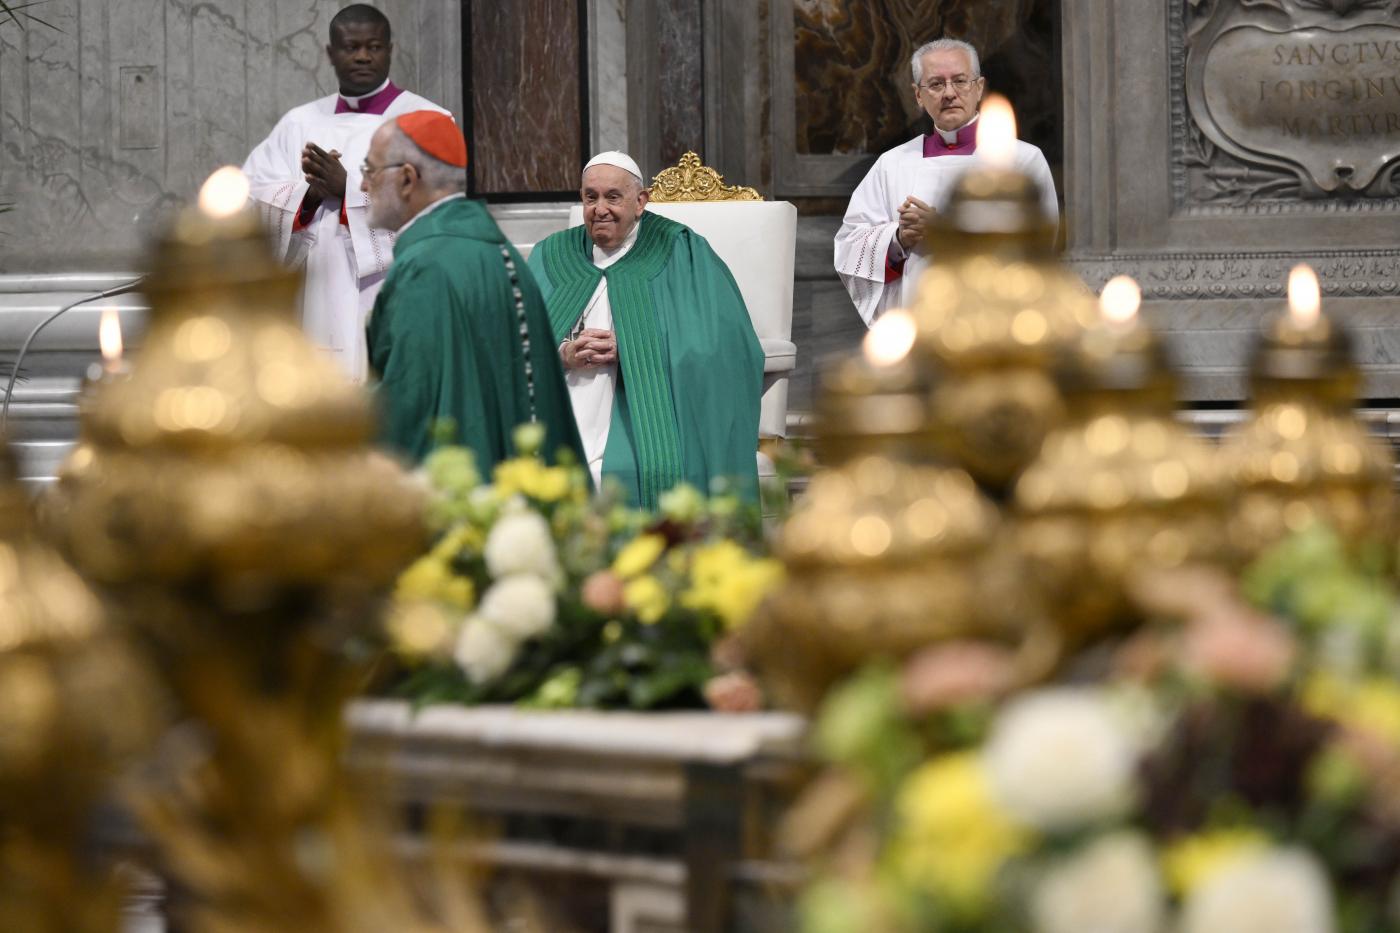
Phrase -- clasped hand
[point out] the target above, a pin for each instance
(914, 217)
(324, 173)
(590, 349)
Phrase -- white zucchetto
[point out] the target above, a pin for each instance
(620, 159)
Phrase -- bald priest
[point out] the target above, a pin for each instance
(459, 339)
(306, 179)
(663, 367)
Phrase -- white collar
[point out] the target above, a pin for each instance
(602, 258)
(428, 210)
(354, 102)
(952, 137)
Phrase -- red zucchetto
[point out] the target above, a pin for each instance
(436, 134)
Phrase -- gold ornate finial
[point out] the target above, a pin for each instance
(76, 709)
(692, 180)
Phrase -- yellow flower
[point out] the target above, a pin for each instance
(423, 579)
(527, 476)
(647, 598)
(952, 837)
(726, 580)
(1371, 705)
(638, 556)
(1190, 862)
(460, 538)
(430, 579)
(420, 630)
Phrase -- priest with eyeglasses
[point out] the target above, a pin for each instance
(880, 248)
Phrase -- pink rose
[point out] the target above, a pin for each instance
(735, 692)
(1240, 649)
(602, 592)
(956, 673)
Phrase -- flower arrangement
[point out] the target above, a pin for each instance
(1233, 766)
(537, 593)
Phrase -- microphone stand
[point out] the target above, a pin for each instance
(24, 347)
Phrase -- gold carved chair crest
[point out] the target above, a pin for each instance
(692, 180)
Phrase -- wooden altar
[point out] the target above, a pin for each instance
(640, 823)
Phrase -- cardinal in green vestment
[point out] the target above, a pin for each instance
(459, 338)
(664, 370)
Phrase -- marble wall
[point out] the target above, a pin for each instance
(679, 40)
(113, 117)
(528, 96)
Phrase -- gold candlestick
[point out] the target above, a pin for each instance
(995, 311)
(75, 706)
(1121, 487)
(1303, 456)
(227, 502)
(888, 551)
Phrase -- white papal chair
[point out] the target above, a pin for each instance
(757, 240)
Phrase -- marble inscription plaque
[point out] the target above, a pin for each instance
(1303, 88)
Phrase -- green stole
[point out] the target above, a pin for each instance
(641, 346)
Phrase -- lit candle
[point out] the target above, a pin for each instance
(109, 338)
(225, 193)
(1120, 302)
(1304, 297)
(996, 133)
(891, 339)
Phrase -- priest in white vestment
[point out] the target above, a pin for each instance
(305, 178)
(880, 250)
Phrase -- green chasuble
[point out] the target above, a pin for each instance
(690, 367)
(448, 344)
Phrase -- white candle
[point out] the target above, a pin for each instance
(891, 339)
(996, 133)
(1120, 302)
(225, 193)
(1304, 297)
(109, 338)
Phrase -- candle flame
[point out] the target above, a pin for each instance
(996, 132)
(1304, 296)
(1120, 300)
(109, 336)
(224, 193)
(891, 339)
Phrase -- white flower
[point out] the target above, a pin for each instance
(521, 605)
(1110, 887)
(521, 543)
(1058, 759)
(483, 651)
(1276, 891)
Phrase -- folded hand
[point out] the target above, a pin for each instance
(591, 349)
(324, 173)
(914, 217)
